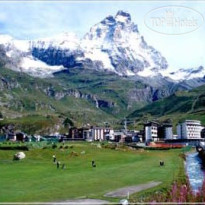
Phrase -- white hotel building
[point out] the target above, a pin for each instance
(189, 129)
(150, 130)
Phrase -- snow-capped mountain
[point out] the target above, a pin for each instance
(178, 75)
(114, 45)
(120, 47)
(187, 74)
(62, 41)
(22, 60)
(11, 45)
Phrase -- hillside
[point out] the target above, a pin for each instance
(100, 78)
(81, 95)
(22, 96)
(179, 106)
(84, 96)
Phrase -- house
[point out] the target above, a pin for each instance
(11, 136)
(189, 129)
(76, 133)
(203, 133)
(9, 132)
(27, 139)
(20, 136)
(128, 139)
(141, 135)
(116, 136)
(87, 134)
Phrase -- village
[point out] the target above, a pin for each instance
(188, 132)
(155, 151)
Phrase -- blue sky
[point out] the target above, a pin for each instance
(36, 19)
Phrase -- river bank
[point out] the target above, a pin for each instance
(194, 171)
(187, 186)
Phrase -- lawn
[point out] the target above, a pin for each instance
(36, 177)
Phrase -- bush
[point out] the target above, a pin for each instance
(179, 193)
(110, 146)
(23, 148)
(75, 154)
(156, 148)
(54, 146)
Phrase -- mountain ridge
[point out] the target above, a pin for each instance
(114, 44)
(177, 107)
(107, 75)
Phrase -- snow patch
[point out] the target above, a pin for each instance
(61, 41)
(5, 39)
(22, 45)
(120, 18)
(130, 73)
(184, 74)
(148, 72)
(38, 68)
(98, 55)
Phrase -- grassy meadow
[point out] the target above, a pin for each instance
(36, 178)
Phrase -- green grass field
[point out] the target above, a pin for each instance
(36, 178)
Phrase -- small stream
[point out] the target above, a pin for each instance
(194, 171)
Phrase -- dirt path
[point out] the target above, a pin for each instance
(83, 201)
(123, 192)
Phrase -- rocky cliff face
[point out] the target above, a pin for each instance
(58, 95)
(7, 85)
(121, 47)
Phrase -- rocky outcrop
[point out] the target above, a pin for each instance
(19, 156)
(53, 56)
(8, 84)
(58, 95)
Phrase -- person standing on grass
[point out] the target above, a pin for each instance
(161, 163)
(54, 158)
(58, 164)
(63, 166)
(93, 163)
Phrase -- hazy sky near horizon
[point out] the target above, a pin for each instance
(37, 19)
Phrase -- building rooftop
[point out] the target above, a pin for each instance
(151, 123)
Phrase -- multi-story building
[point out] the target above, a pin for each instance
(99, 133)
(89, 134)
(151, 131)
(165, 131)
(189, 129)
(203, 133)
(156, 132)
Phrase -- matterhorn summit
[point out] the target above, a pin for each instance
(113, 45)
(120, 47)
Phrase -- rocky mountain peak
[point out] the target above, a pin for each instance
(109, 20)
(123, 17)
